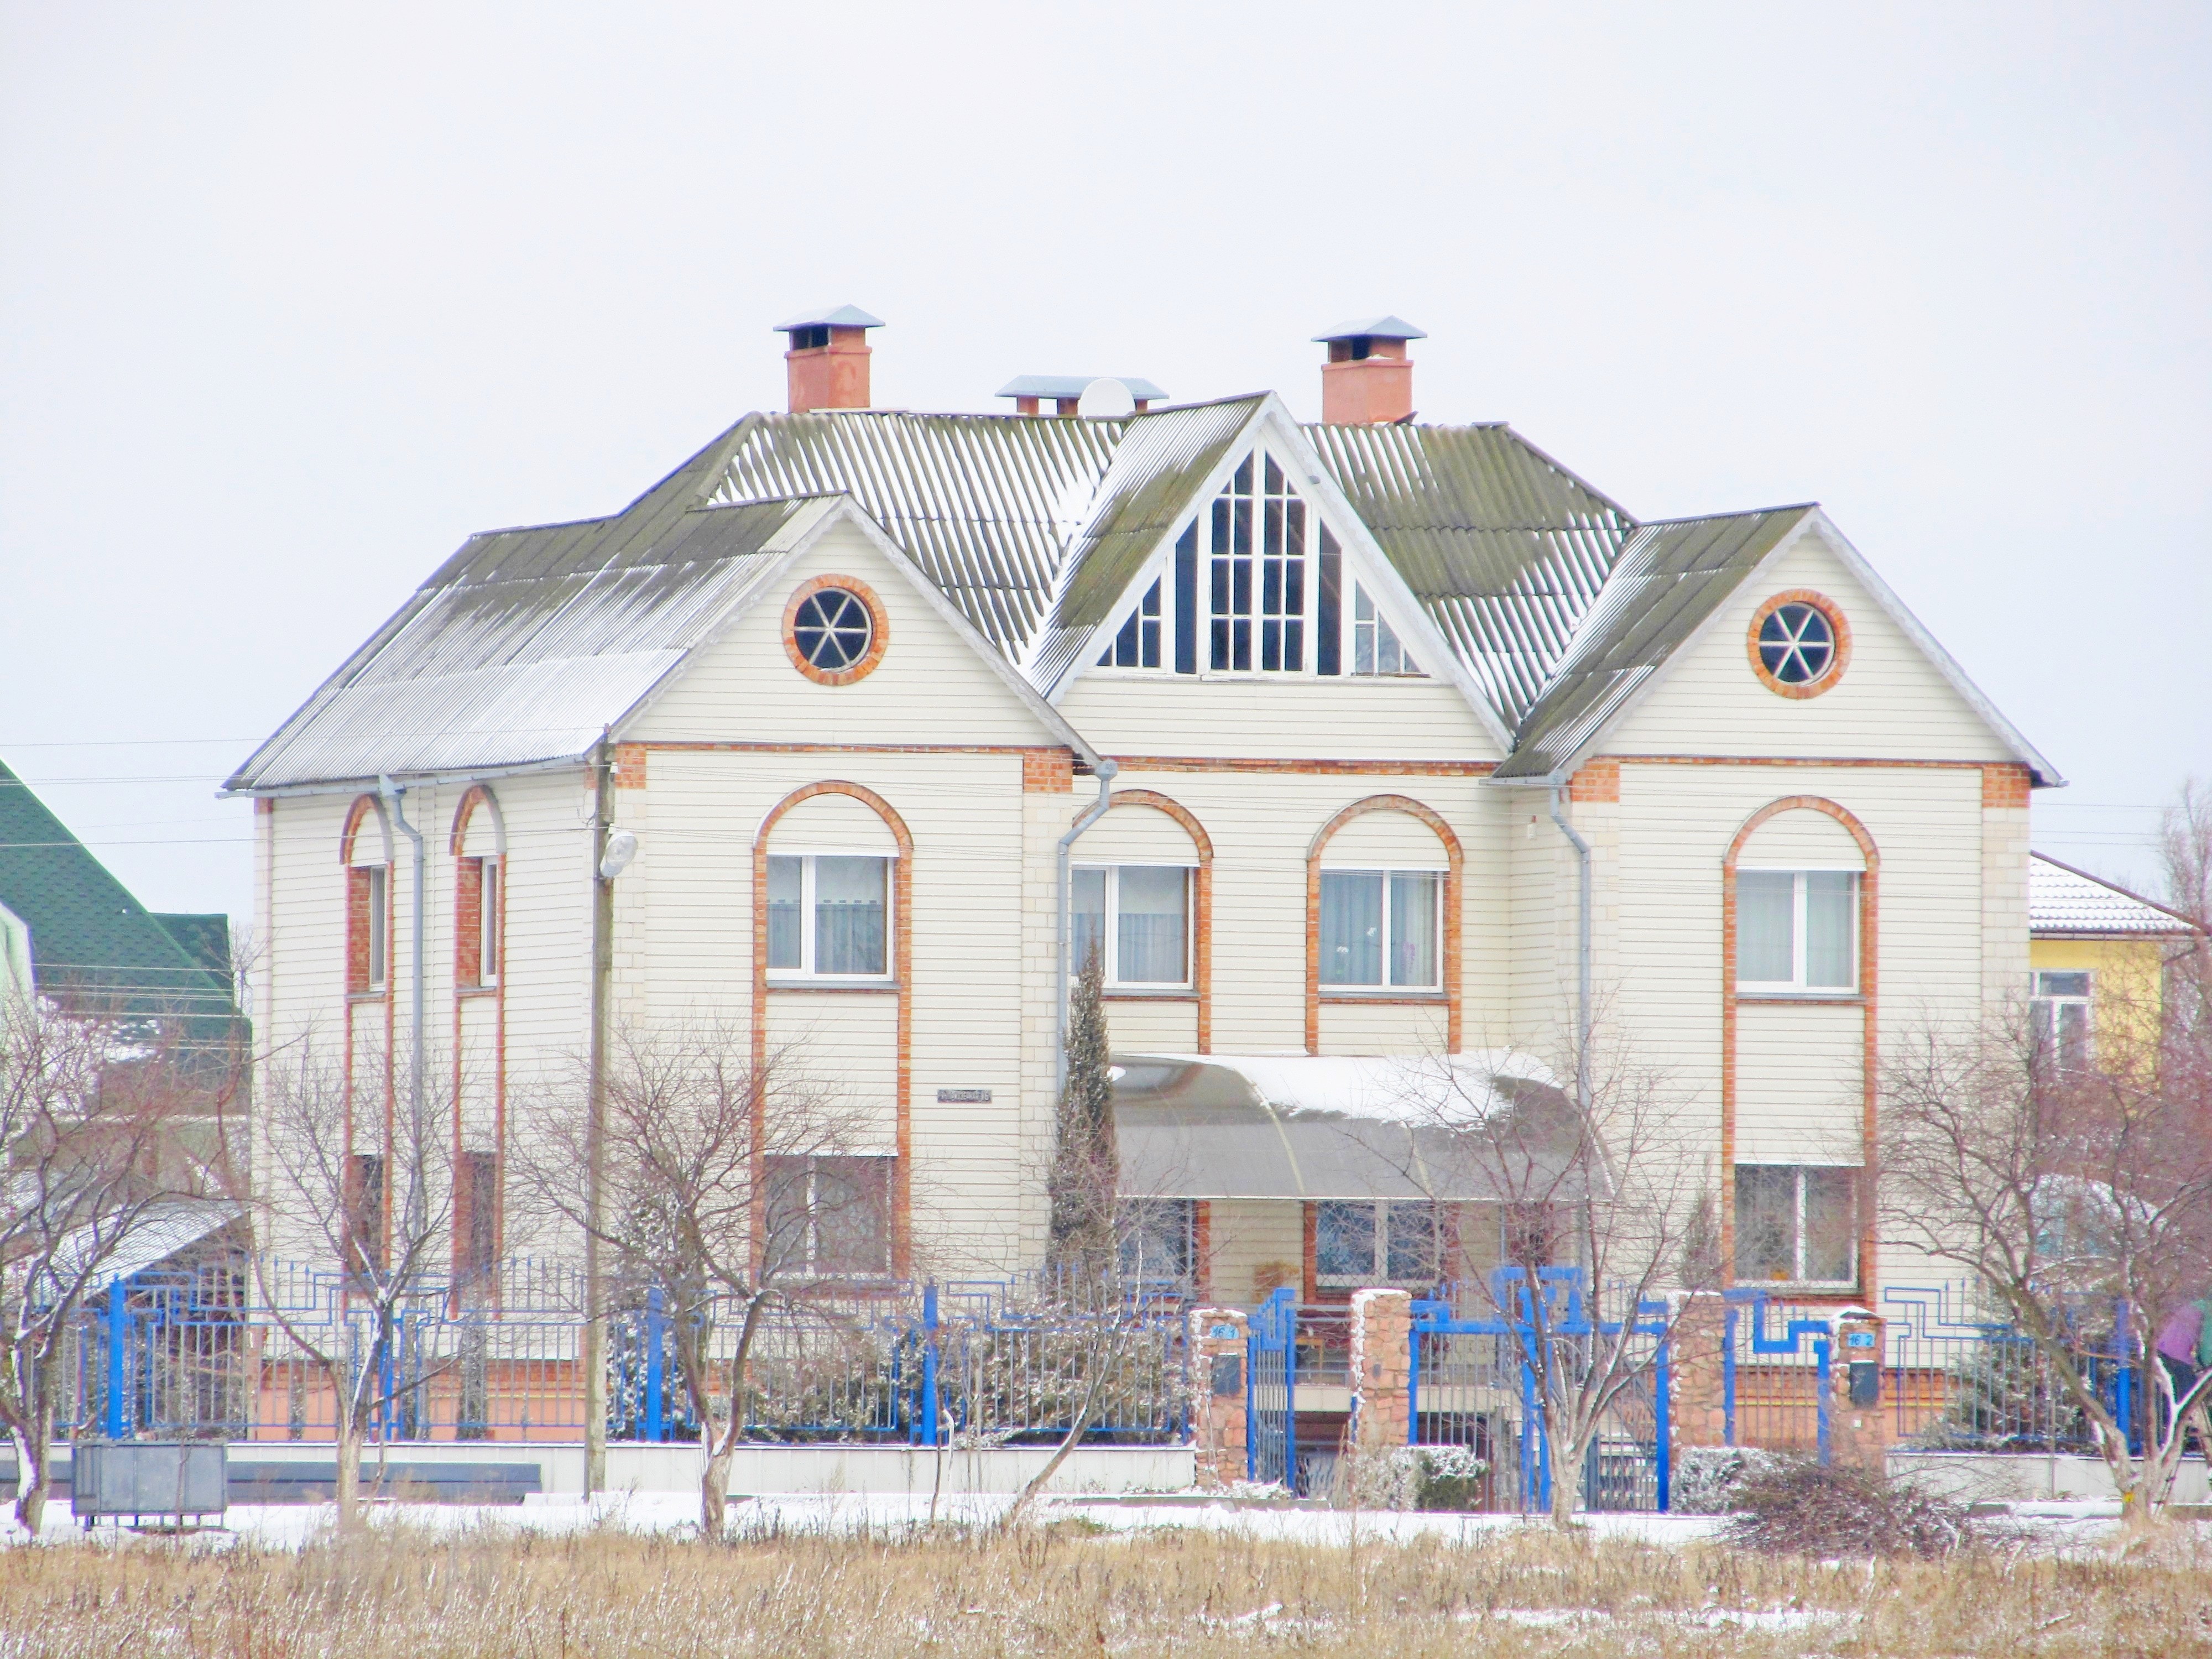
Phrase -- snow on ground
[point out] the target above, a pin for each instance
(291, 1526)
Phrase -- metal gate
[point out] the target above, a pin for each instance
(1271, 1452)
(1775, 1387)
(1475, 1383)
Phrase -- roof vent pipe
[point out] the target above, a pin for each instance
(828, 361)
(1368, 379)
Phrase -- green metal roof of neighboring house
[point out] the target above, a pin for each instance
(1668, 580)
(91, 940)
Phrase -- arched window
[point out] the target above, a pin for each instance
(365, 849)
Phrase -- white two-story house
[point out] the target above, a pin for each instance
(1336, 709)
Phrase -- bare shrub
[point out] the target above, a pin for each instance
(1795, 1507)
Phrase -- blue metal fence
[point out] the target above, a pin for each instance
(1961, 1378)
(200, 1350)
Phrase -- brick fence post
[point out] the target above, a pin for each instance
(1858, 1418)
(1698, 1415)
(1382, 1368)
(1217, 1408)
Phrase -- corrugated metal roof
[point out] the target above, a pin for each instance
(528, 643)
(2063, 900)
(985, 504)
(1668, 577)
(1505, 547)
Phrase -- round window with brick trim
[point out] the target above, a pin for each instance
(833, 630)
(1799, 643)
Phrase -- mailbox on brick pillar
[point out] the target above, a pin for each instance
(1217, 1340)
(1858, 1426)
(1382, 1368)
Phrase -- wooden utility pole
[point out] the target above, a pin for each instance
(595, 1154)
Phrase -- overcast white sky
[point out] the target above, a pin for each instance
(292, 298)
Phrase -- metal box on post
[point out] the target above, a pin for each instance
(111, 1479)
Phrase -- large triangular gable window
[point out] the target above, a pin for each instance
(1257, 586)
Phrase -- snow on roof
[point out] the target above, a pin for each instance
(2062, 900)
(1411, 1089)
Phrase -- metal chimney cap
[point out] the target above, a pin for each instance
(838, 317)
(1373, 328)
(1072, 385)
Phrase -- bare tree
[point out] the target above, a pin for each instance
(2184, 848)
(1606, 1177)
(2079, 1200)
(729, 1189)
(350, 1194)
(94, 1118)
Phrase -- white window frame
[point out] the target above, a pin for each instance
(1797, 1242)
(1372, 630)
(1329, 988)
(1800, 947)
(1111, 931)
(1353, 582)
(1380, 1262)
(805, 974)
(2048, 1007)
(491, 894)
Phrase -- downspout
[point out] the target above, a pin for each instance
(418, 1199)
(1104, 770)
(1582, 953)
(595, 1120)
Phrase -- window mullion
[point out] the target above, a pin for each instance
(1110, 926)
(806, 918)
(1798, 1258)
(1800, 926)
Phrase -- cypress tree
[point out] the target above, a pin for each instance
(1086, 1163)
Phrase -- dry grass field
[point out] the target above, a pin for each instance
(393, 1593)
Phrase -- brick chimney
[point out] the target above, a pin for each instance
(1368, 379)
(828, 361)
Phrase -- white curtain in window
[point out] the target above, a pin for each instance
(1413, 927)
(1351, 927)
(1149, 925)
(848, 915)
(1829, 928)
(1088, 903)
(786, 880)
(1766, 913)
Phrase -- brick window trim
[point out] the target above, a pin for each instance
(1836, 622)
(1200, 989)
(878, 629)
(901, 980)
(1865, 998)
(1455, 860)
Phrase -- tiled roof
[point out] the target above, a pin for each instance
(2065, 901)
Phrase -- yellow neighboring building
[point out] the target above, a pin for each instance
(2099, 957)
